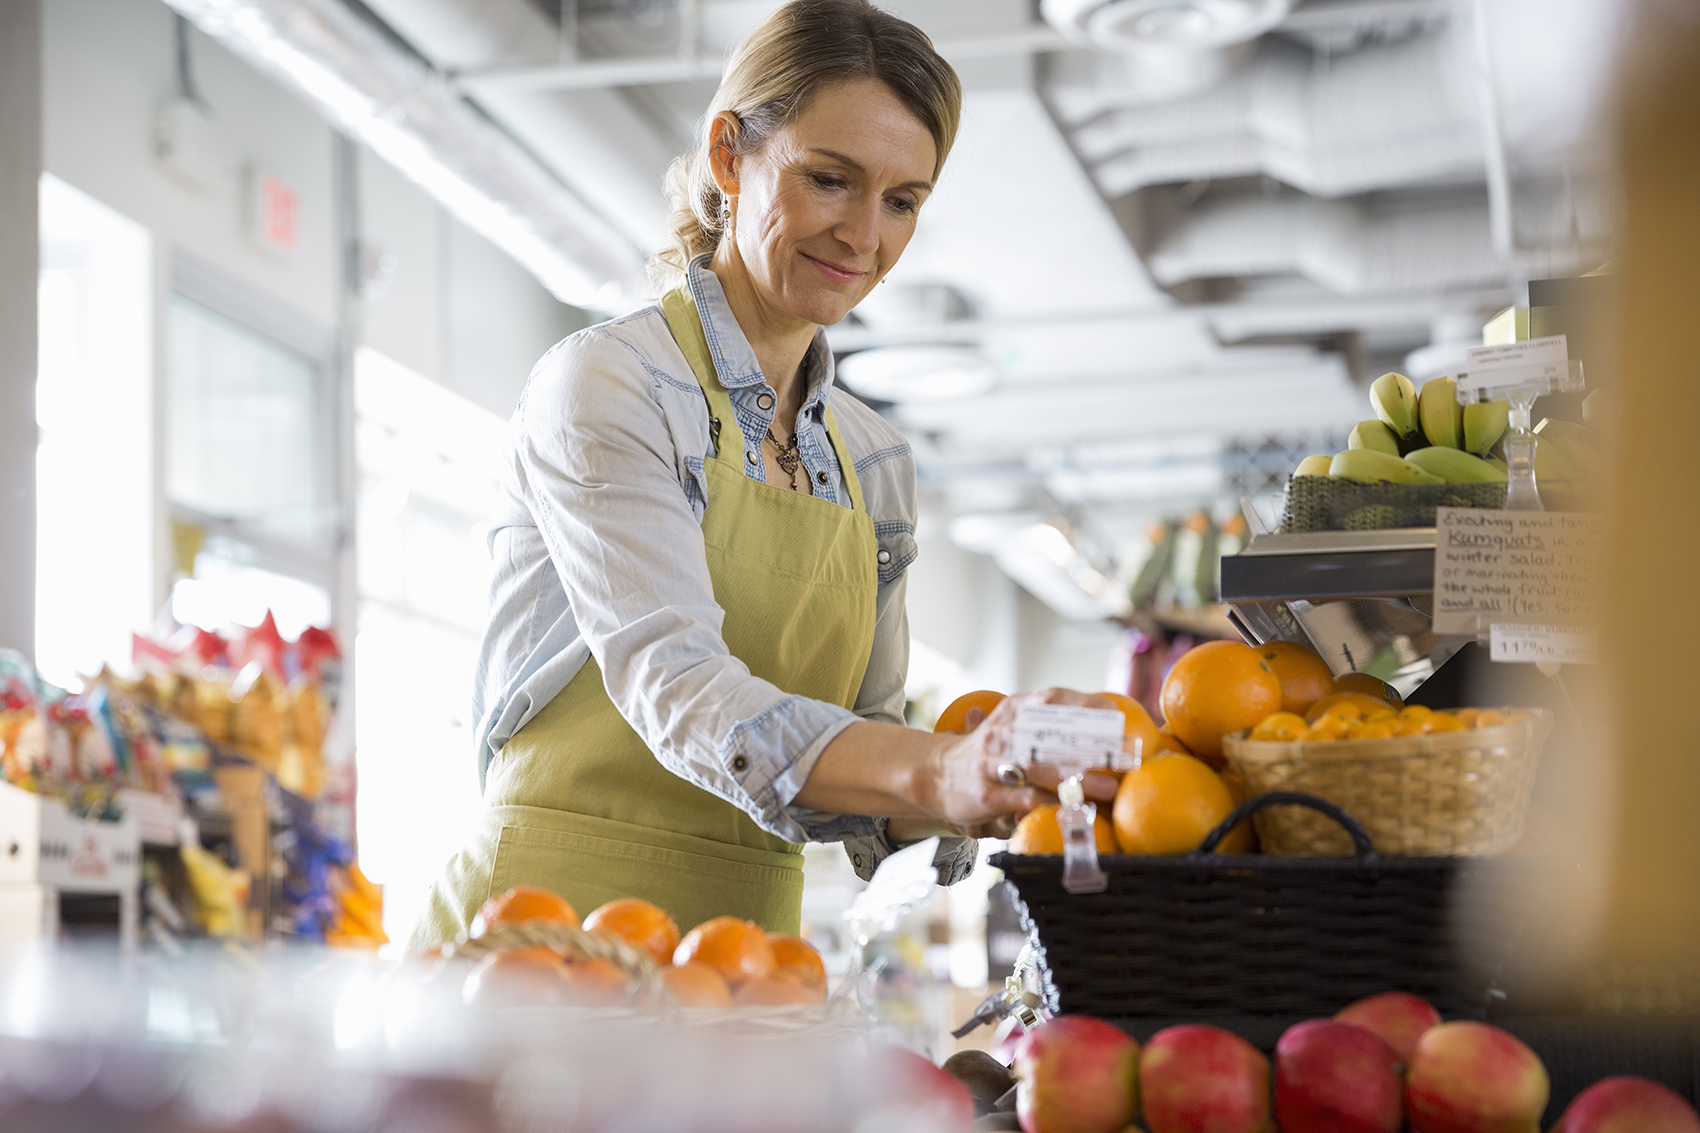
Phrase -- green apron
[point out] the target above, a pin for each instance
(575, 801)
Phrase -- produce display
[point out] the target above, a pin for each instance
(1427, 437)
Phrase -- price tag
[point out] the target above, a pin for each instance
(1067, 736)
(1558, 645)
(1541, 362)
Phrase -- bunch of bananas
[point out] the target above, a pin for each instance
(1429, 438)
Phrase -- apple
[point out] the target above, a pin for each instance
(1399, 1019)
(1076, 1074)
(1336, 1078)
(912, 1085)
(1628, 1105)
(1473, 1078)
(1198, 1079)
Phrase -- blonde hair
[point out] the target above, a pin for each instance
(801, 48)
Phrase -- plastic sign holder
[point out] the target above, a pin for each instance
(1074, 740)
(1519, 372)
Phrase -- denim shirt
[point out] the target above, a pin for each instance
(599, 552)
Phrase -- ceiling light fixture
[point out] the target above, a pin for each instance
(910, 374)
(1132, 26)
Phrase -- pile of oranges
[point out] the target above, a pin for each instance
(723, 962)
(1353, 716)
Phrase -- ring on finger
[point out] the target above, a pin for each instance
(1012, 775)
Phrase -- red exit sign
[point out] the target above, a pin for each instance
(277, 213)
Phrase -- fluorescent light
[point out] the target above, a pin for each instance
(918, 373)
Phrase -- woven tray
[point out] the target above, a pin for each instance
(1323, 503)
(1206, 936)
(1451, 793)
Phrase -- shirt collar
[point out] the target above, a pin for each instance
(734, 361)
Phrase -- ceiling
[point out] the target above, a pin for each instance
(1202, 251)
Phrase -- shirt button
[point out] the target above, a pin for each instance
(884, 557)
(750, 456)
(856, 861)
(739, 763)
(820, 477)
(765, 401)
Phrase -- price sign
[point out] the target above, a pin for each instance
(1558, 645)
(1503, 567)
(1540, 362)
(1067, 736)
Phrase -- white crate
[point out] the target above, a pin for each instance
(63, 852)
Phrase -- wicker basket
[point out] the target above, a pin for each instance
(1323, 503)
(1461, 794)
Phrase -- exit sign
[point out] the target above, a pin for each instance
(276, 211)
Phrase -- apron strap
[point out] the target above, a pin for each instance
(680, 309)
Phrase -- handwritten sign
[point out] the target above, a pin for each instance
(1527, 567)
(1540, 362)
(1067, 736)
(1557, 645)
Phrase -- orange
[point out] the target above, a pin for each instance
(774, 991)
(1322, 735)
(1040, 833)
(1415, 712)
(1168, 741)
(638, 923)
(523, 903)
(798, 959)
(1305, 678)
(1468, 716)
(1139, 724)
(1490, 718)
(595, 982)
(1365, 730)
(1369, 686)
(1169, 804)
(1217, 688)
(1278, 727)
(1445, 722)
(737, 949)
(1357, 703)
(954, 718)
(518, 976)
(697, 985)
(1243, 840)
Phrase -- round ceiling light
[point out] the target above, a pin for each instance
(918, 373)
(1141, 25)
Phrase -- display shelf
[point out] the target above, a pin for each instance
(1322, 565)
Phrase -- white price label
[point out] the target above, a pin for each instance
(1067, 736)
(1558, 645)
(1543, 362)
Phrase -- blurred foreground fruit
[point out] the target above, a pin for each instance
(737, 949)
(1198, 1079)
(1397, 1018)
(523, 903)
(1217, 688)
(518, 977)
(1336, 1078)
(774, 991)
(1075, 1074)
(1628, 1105)
(1039, 832)
(916, 1088)
(594, 982)
(954, 718)
(986, 1078)
(697, 985)
(639, 924)
(797, 958)
(1474, 1078)
(1168, 804)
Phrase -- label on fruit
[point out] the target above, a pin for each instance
(1503, 567)
(1067, 736)
(1557, 645)
(1541, 362)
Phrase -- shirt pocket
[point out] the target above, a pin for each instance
(897, 549)
(696, 485)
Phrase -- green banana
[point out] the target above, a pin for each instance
(1314, 465)
(1373, 435)
(1504, 468)
(1441, 416)
(1484, 423)
(1394, 400)
(1552, 464)
(1572, 441)
(1454, 466)
(1594, 405)
(1368, 466)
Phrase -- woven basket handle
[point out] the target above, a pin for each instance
(1360, 839)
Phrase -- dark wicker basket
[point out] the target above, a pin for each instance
(1207, 935)
(1323, 503)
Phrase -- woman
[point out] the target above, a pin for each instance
(697, 641)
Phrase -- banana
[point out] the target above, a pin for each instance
(1594, 406)
(1314, 465)
(1394, 400)
(1373, 435)
(1455, 467)
(1552, 464)
(1484, 424)
(1572, 441)
(1504, 468)
(1367, 466)
(1441, 416)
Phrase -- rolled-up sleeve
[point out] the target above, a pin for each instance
(596, 464)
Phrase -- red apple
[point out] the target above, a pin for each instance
(1399, 1019)
(1076, 1075)
(1197, 1079)
(1336, 1078)
(1628, 1105)
(913, 1085)
(1473, 1078)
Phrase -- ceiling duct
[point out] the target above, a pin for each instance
(386, 99)
(1171, 48)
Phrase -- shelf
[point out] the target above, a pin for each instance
(1328, 565)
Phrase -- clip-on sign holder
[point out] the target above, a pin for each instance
(1518, 373)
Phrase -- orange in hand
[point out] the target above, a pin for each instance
(640, 924)
(1305, 678)
(954, 718)
(1039, 832)
(1169, 804)
(738, 950)
(798, 959)
(523, 903)
(697, 985)
(1217, 688)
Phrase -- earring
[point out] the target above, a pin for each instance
(725, 211)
